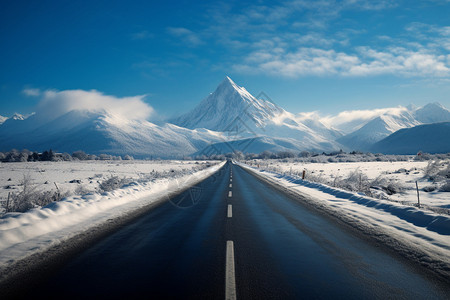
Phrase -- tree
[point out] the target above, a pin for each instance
(47, 155)
(81, 155)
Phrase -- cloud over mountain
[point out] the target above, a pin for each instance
(56, 103)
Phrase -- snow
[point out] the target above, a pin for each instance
(97, 133)
(432, 113)
(250, 117)
(105, 124)
(23, 234)
(391, 121)
(418, 234)
(402, 173)
(44, 174)
(377, 129)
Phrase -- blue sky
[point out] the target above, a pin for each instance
(326, 56)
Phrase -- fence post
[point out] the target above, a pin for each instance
(418, 198)
(7, 202)
(304, 174)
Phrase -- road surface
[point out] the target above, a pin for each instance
(234, 236)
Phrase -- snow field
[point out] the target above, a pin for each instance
(402, 174)
(22, 234)
(85, 175)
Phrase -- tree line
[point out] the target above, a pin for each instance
(49, 155)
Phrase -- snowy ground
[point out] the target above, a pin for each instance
(23, 234)
(401, 174)
(81, 177)
(416, 233)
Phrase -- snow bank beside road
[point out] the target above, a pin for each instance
(22, 234)
(416, 234)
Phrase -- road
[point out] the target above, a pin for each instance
(240, 238)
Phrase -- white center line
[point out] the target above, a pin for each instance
(230, 211)
(230, 280)
(231, 185)
(230, 194)
(231, 180)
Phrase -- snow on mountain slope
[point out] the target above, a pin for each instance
(3, 119)
(431, 138)
(319, 127)
(377, 129)
(230, 113)
(17, 123)
(349, 121)
(228, 102)
(432, 113)
(107, 133)
(233, 109)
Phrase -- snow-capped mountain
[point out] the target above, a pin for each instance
(3, 119)
(105, 133)
(377, 129)
(229, 101)
(432, 113)
(229, 119)
(430, 138)
(233, 110)
(384, 125)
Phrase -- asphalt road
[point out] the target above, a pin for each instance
(230, 236)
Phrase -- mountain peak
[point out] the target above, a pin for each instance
(228, 102)
(229, 86)
(432, 113)
(17, 116)
(435, 105)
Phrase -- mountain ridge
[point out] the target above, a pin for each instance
(228, 119)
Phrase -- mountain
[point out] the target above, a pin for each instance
(228, 102)
(253, 145)
(233, 110)
(3, 119)
(432, 113)
(226, 118)
(102, 132)
(229, 119)
(377, 129)
(430, 138)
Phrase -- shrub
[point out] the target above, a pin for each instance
(445, 187)
(429, 189)
(30, 198)
(113, 183)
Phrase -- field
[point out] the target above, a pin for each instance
(389, 180)
(83, 177)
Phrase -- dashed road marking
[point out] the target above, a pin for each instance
(231, 185)
(230, 211)
(230, 279)
(230, 194)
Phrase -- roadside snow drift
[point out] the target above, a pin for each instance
(22, 234)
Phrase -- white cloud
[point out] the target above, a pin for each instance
(296, 38)
(304, 61)
(142, 35)
(365, 62)
(55, 103)
(31, 92)
(186, 35)
(351, 119)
